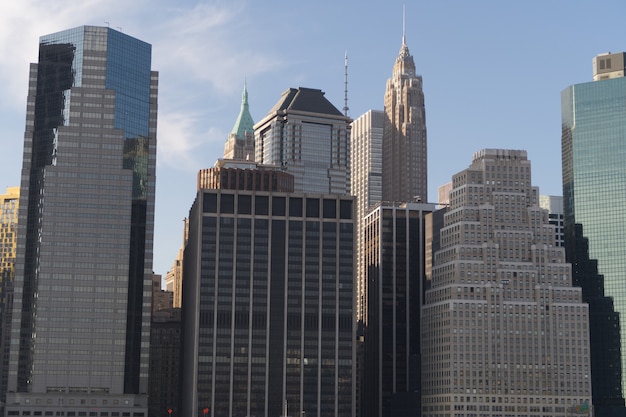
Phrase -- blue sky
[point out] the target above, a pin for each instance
(493, 72)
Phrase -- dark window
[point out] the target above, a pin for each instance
(278, 206)
(295, 207)
(261, 203)
(312, 207)
(209, 203)
(244, 204)
(330, 209)
(345, 209)
(227, 203)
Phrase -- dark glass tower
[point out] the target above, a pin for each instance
(81, 316)
(268, 305)
(394, 268)
(593, 154)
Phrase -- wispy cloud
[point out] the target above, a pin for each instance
(181, 143)
(21, 24)
(212, 43)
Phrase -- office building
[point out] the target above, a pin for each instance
(81, 312)
(366, 141)
(174, 277)
(161, 299)
(593, 152)
(240, 142)
(443, 193)
(165, 342)
(554, 205)
(268, 304)
(9, 203)
(504, 330)
(603, 319)
(404, 134)
(394, 268)
(305, 135)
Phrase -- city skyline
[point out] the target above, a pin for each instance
(490, 80)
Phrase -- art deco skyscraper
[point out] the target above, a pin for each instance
(81, 316)
(504, 330)
(593, 153)
(404, 137)
(308, 137)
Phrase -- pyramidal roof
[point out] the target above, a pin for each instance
(244, 122)
(305, 99)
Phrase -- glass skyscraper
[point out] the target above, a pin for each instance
(593, 155)
(81, 315)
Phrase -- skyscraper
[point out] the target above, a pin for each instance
(165, 343)
(240, 142)
(504, 330)
(308, 137)
(404, 134)
(593, 153)
(81, 316)
(366, 141)
(268, 303)
(394, 270)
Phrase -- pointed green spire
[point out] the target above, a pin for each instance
(244, 122)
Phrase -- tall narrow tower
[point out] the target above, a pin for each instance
(404, 137)
(81, 314)
(593, 153)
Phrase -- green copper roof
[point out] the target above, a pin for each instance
(244, 122)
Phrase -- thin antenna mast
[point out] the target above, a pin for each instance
(345, 86)
(403, 24)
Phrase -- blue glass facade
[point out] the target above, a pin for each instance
(128, 73)
(594, 172)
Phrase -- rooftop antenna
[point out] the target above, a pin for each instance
(345, 86)
(403, 24)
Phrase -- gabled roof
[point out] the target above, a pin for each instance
(307, 100)
(244, 122)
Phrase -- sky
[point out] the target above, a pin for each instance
(493, 72)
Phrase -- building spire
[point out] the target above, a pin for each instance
(403, 24)
(345, 84)
(244, 122)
